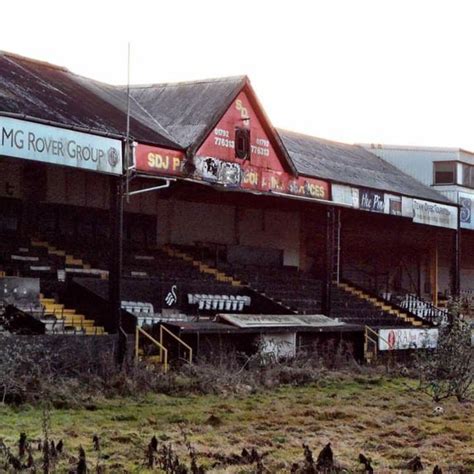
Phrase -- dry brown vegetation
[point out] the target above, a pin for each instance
(385, 419)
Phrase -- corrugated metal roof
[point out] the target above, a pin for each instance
(46, 92)
(352, 165)
(209, 327)
(279, 320)
(188, 109)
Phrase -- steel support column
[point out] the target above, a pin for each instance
(456, 261)
(327, 262)
(116, 256)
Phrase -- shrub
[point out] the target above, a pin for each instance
(448, 369)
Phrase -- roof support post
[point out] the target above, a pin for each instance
(116, 258)
(328, 262)
(456, 261)
(434, 271)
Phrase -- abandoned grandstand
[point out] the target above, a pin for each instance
(205, 227)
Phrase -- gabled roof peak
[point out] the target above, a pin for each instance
(243, 79)
(37, 62)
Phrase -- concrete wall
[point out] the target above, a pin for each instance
(77, 188)
(185, 222)
(11, 179)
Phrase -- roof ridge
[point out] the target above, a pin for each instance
(8, 54)
(241, 78)
(327, 140)
(440, 149)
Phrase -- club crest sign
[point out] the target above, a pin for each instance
(465, 216)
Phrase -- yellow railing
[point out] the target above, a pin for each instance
(369, 333)
(368, 339)
(180, 341)
(163, 351)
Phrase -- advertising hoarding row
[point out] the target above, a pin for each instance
(215, 162)
(231, 174)
(420, 211)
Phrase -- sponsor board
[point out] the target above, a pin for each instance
(159, 161)
(23, 293)
(156, 160)
(393, 205)
(431, 213)
(309, 187)
(58, 146)
(370, 200)
(400, 339)
(346, 195)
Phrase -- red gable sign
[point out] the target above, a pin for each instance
(216, 161)
(221, 142)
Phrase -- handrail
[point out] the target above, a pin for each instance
(187, 346)
(393, 303)
(372, 340)
(368, 330)
(163, 350)
(424, 309)
(378, 335)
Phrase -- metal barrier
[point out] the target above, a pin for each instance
(163, 351)
(424, 309)
(180, 341)
(369, 338)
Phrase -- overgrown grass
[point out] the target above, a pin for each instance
(386, 419)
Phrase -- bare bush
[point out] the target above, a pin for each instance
(35, 370)
(448, 370)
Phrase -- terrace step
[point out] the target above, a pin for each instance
(69, 318)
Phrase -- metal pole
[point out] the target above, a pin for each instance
(456, 262)
(327, 263)
(115, 272)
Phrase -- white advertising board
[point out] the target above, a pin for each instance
(38, 142)
(431, 213)
(399, 339)
(279, 345)
(345, 195)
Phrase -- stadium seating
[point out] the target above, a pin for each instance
(301, 293)
(204, 289)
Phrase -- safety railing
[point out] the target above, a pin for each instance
(162, 349)
(164, 329)
(373, 337)
(424, 309)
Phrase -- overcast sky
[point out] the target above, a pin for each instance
(376, 71)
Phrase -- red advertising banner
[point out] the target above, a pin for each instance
(155, 160)
(160, 161)
(309, 187)
(274, 181)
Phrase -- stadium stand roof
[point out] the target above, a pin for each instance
(352, 165)
(180, 116)
(42, 91)
(190, 110)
